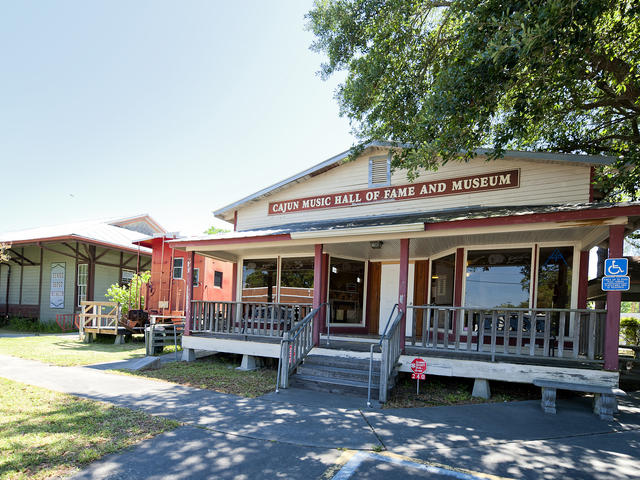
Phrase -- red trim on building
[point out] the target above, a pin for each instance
(591, 214)
(76, 238)
(318, 262)
(583, 279)
(235, 220)
(534, 276)
(403, 282)
(614, 299)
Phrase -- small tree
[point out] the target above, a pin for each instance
(213, 230)
(4, 255)
(630, 329)
(127, 295)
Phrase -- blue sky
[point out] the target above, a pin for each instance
(113, 108)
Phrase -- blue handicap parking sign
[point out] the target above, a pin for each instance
(614, 267)
(615, 284)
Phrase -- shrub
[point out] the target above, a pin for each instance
(128, 294)
(32, 325)
(630, 330)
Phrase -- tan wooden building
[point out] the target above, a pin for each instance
(52, 269)
(480, 268)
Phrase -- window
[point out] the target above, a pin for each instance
(554, 277)
(442, 278)
(196, 277)
(296, 280)
(259, 280)
(380, 171)
(498, 278)
(83, 279)
(127, 276)
(217, 279)
(346, 291)
(177, 267)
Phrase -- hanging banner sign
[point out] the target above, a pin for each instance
(56, 297)
(437, 188)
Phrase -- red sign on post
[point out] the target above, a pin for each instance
(419, 366)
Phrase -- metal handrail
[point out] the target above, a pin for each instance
(371, 347)
(290, 338)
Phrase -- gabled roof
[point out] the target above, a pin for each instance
(225, 213)
(103, 232)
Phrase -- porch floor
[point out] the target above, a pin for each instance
(362, 344)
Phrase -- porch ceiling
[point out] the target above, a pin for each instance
(420, 247)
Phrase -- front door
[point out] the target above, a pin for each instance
(389, 289)
(346, 292)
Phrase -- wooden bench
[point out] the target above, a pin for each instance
(604, 400)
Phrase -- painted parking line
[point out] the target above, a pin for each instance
(349, 462)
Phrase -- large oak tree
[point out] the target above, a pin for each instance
(449, 77)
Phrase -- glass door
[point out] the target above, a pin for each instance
(346, 291)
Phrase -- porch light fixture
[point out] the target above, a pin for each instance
(435, 276)
(376, 244)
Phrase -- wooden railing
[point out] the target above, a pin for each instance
(295, 346)
(99, 315)
(534, 332)
(244, 318)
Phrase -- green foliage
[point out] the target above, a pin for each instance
(4, 255)
(213, 230)
(630, 330)
(445, 78)
(127, 295)
(33, 325)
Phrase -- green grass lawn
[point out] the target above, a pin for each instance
(216, 373)
(439, 391)
(45, 434)
(67, 350)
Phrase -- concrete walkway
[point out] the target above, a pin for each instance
(290, 437)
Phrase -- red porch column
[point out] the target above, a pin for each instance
(612, 329)
(317, 291)
(188, 294)
(323, 293)
(403, 283)
(583, 279)
(457, 286)
(234, 281)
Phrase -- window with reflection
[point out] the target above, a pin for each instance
(259, 280)
(296, 280)
(498, 278)
(442, 278)
(346, 290)
(554, 277)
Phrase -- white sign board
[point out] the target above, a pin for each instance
(56, 297)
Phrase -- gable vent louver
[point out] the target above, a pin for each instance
(379, 171)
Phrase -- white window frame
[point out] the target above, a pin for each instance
(82, 287)
(173, 268)
(196, 277)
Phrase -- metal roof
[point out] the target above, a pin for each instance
(338, 159)
(100, 231)
(450, 215)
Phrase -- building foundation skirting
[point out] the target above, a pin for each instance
(27, 311)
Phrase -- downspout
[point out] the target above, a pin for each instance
(161, 266)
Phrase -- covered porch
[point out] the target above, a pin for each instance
(494, 294)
